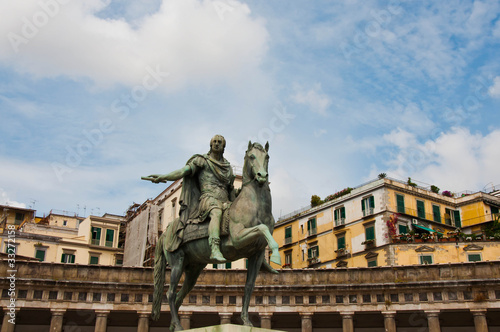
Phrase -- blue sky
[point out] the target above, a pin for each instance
(95, 94)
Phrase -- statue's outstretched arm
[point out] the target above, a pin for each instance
(172, 176)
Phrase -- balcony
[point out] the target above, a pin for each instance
(367, 212)
(369, 244)
(312, 231)
(341, 252)
(313, 260)
(339, 222)
(95, 242)
(288, 240)
(109, 244)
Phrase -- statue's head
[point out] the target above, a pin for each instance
(217, 144)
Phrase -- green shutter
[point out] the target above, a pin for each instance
(62, 258)
(228, 265)
(425, 259)
(288, 232)
(94, 260)
(370, 233)
(363, 205)
(342, 212)
(421, 209)
(400, 201)
(313, 223)
(403, 229)
(308, 252)
(72, 258)
(96, 233)
(372, 202)
(474, 257)
(215, 265)
(437, 213)
(308, 225)
(341, 242)
(40, 254)
(372, 263)
(456, 215)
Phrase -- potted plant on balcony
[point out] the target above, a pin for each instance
(426, 237)
(447, 193)
(369, 243)
(341, 252)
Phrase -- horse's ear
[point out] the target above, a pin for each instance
(267, 146)
(249, 145)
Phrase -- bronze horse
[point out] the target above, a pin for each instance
(250, 231)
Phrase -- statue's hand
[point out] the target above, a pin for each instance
(155, 178)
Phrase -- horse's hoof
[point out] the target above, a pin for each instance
(175, 327)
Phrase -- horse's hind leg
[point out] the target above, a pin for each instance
(192, 273)
(176, 260)
(254, 264)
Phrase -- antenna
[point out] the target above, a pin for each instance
(32, 205)
(77, 209)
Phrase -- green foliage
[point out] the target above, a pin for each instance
(493, 229)
(316, 200)
(382, 175)
(435, 189)
(410, 183)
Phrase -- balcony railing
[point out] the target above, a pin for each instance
(339, 222)
(312, 231)
(288, 240)
(109, 244)
(95, 242)
(367, 212)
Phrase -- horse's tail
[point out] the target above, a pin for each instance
(159, 278)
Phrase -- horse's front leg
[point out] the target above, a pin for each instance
(254, 264)
(242, 237)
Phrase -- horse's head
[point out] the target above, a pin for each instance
(256, 163)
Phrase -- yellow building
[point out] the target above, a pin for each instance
(16, 216)
(389, 222)
(67, 238)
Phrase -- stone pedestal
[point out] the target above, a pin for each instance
(56, 322)
(480, 322)
(225, 317)
(6, 326)
(230, 328)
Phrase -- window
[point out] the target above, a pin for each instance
(370, 232)
(400, 203)
(110, 233)
(288, 258)
(174, 201)
(372, 262)
(403, 229)
(160, 220)
(367, 205)
(313, 252)
(119, 261)
(311, 226)
(288, 235)
(341, 242)
(339, 216)
(10, 248)
(40, 254)
(494, 210)
(436, 212)
(19, 218)
(222, 266)
(96, 236)
(65, 223)
(474, 257)
(94, 260)
(421, 209)
(425, 259)
(68, 258)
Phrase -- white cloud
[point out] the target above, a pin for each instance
(192, 40)
(494, 90)
(5, 200)
(457, 160)
(314, 99)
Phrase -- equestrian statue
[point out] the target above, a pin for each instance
(217, 223)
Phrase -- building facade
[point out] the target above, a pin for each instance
(460, 297)
(389, 222)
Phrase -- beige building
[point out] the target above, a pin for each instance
(67, 238)
(457, 297)
(15, 216)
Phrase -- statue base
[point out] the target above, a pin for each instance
(230, 328)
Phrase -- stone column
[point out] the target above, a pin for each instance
(143, 324)
(389, 321)
(185, 318)
(101, 321)
(6, 326)
(265, 320)
(56, 322)
(480, 320)
(306, 319)
(347, 321)
(225, 317)
(433, 321)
